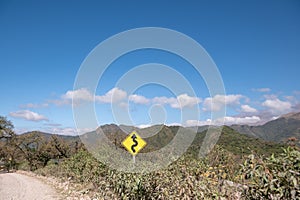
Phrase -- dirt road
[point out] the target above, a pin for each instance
(14, 186)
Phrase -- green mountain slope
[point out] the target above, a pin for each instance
(278, 130)
(159, 136)
(47, 136)
(238, 144)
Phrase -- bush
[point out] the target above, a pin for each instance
(190, 178)
(184, 178)
(273, 177)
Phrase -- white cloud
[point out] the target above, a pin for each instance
(69, 130)
(112, 96)
(60, 102)
(224, 121)
(217, 102)
(270, 96)
(261, 89)
(117, 95)
(179, 102)
(185, 100)
(174, 124)
(19, 131)
(138, 99)
(164, 100)
(198, 122)
(241, 120)
(291, 98)
(123, 105)
(28, 115)
(248, 109)
(294, 100)
(78, 95)
(66, 130)
(141, 126)
(275, 117)
(34, 105)
(53, 124)
(277, 106)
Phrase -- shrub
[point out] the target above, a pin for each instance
(273, 177)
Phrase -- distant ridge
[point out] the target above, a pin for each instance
(233, 138)
(278, 130)
(158, 136)
(47, 136)
(292, 115)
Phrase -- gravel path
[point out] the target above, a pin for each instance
(14, 186)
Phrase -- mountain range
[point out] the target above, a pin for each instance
(264, 139)
(278, 130)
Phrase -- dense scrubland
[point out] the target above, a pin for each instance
(238, 167)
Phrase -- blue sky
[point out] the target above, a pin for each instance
(255, 45)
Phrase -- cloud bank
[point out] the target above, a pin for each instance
(28, 115)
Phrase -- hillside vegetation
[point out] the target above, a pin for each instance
(238, 167)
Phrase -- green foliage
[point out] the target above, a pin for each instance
(6, 128)
(185, 178)
(8, 152)
(83, 167)
(226, 173)
(276, 177)
(240, 144)
(31, 149)
(34, 149)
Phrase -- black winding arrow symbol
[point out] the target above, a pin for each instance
(135, 143)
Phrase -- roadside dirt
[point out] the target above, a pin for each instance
(16, 186)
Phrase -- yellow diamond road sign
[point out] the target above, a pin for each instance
(134, 143)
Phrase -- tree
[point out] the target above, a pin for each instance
(30, 145)
(38, 151)
(8, 150)
(6, 128)
(55, 148)
(60, 148)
